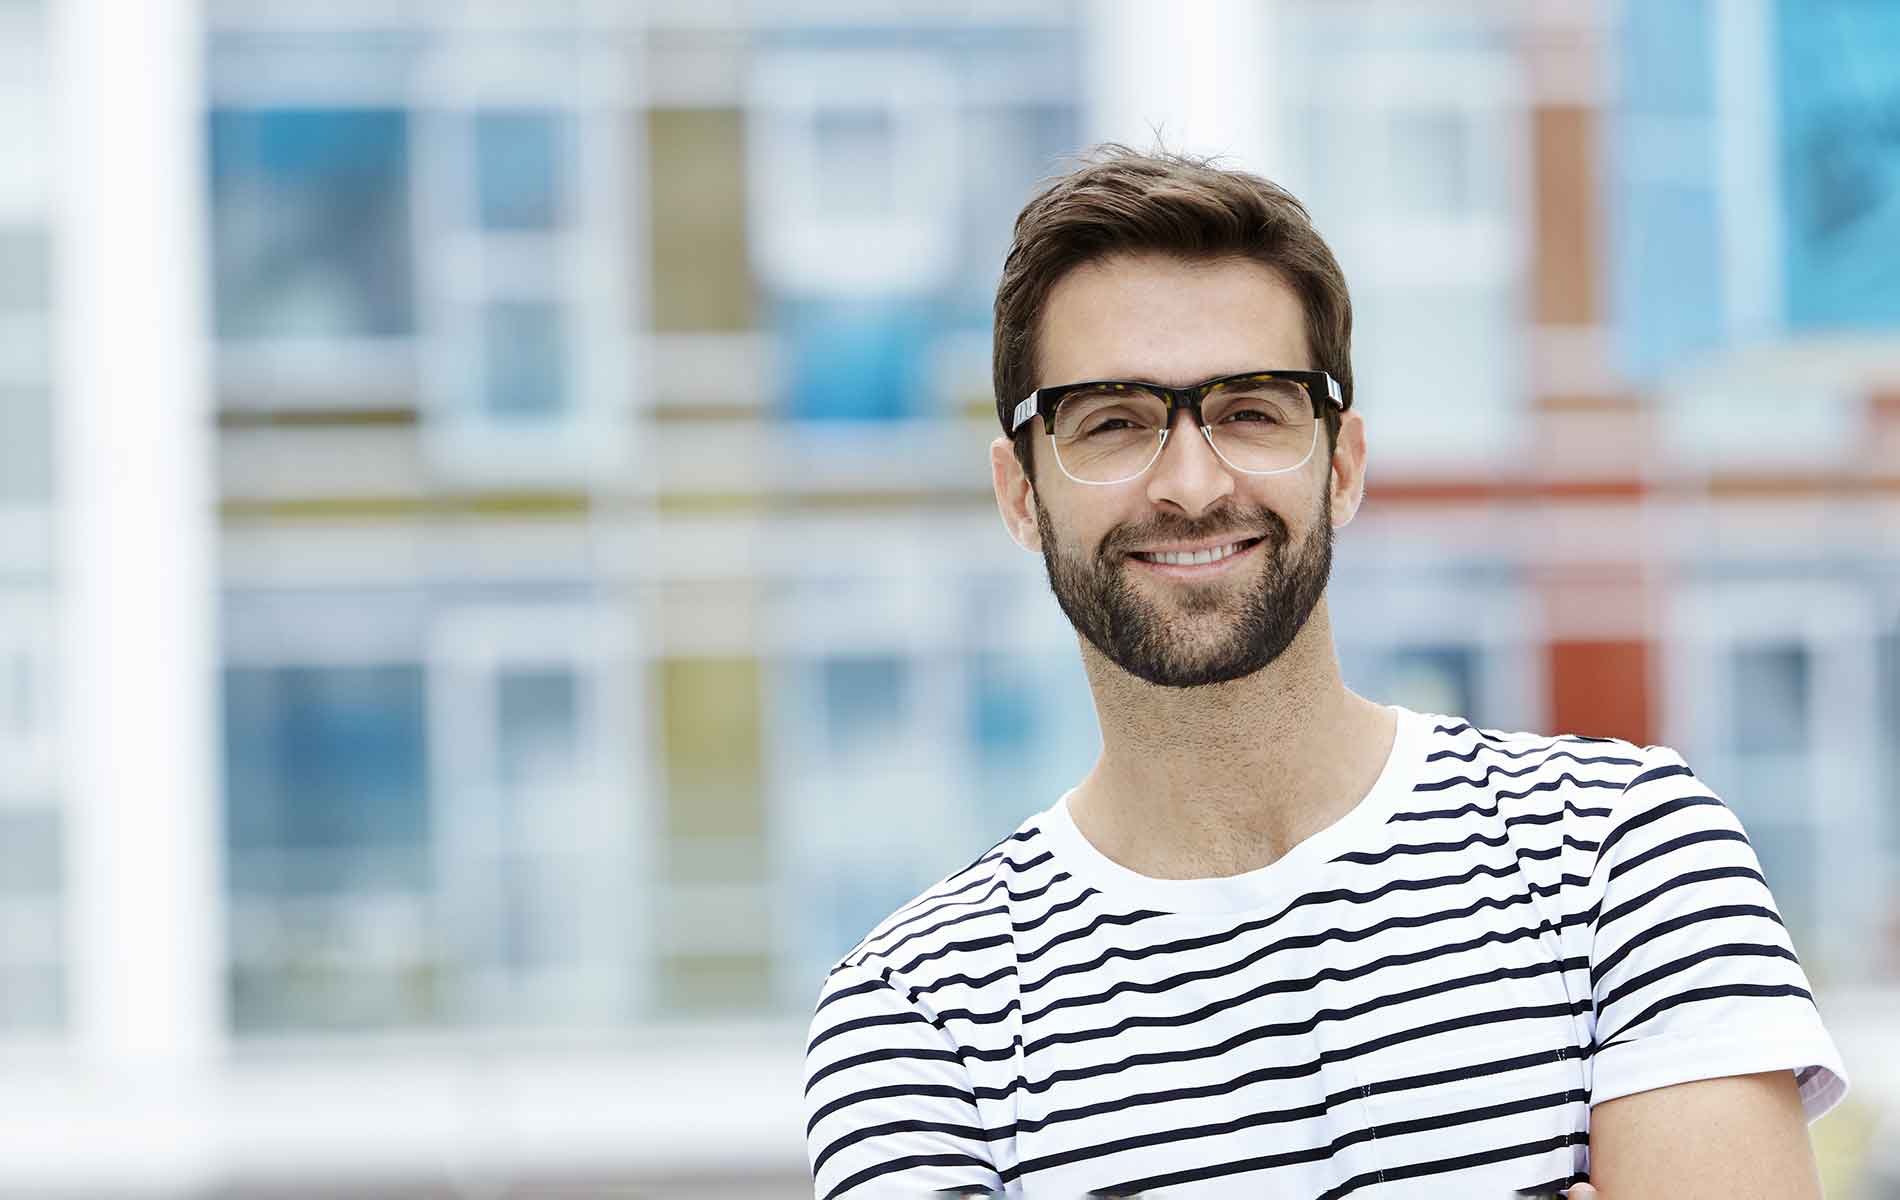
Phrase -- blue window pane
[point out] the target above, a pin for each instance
(518, 168)
(1031, 734)
(325, 758)
(1003, 717)
(1440, 679)
(535, 726)
(524, 355)
(864, 701)
(1840, 161)
(31, 858)
(1770, 700)
(26, 445)
(1887, 659)
(1665, 229)
(856, 360)
(310, 222)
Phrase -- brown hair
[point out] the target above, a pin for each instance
(1121, 201)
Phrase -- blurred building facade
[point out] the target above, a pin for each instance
(612, 618)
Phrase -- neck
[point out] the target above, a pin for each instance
(1217, 780)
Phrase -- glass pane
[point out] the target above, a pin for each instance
(26, 446)
(30, 850)
(1438, 679)
(324, 759)
(23, 270)
(1887, 735)
(1770, 699)
(702, 279)
(695, 984)
(1423, 341)
(864, 703)
(535, 726)
(541, 913)
(857, 360)
(1431, 163)
(1788, 856)
(32, 999)
(855, 167)
(713, 772)
(1032, 735)
(1017, 147)
(524, 353)
(310, 222)
(518, 168)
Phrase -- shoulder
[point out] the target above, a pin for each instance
(956, 930)
(1523, 765)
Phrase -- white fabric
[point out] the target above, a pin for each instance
(1422, 999)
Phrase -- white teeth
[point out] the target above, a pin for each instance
(1189, 558)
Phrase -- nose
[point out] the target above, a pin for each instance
(1189, 475)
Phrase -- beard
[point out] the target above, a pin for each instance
(1249, 629)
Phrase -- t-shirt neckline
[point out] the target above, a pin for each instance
(1282, 879)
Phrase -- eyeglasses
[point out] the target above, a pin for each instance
(1111, 430)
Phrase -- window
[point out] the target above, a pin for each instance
(525, 361)
(1438, 679)
(713, 923)
(702, 281)
(25, 274)
(327, 829)
(27, 725)
(1887, 727)
(1425, 676)
(520, 168)
(26, 446)
(853, 171)
(536, 857)
(1031, 734)
(523, 344)
(1770, 776)
(856, 360)
(310, 223)
(1838, 161)
(322, 760)
(865, 774)
(1432, 161)
(31, 914)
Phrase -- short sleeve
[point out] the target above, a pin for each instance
(890, 1105)
(1692, 973)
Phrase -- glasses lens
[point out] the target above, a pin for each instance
(1108, 433)
(1260, 423)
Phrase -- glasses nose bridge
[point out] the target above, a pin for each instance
(1184, 399)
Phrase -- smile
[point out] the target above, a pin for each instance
(1197, 558)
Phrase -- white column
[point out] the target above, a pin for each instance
(135, 540)
(1203, 73)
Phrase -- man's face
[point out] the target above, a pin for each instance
(1171, 321)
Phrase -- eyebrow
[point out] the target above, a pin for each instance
(1137, 377)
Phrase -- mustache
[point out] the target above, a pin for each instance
(1242, 524)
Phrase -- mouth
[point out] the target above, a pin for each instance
(1211, 560)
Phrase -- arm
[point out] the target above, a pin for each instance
(1709, 1056)
(891, 1108)
(1742, 1137)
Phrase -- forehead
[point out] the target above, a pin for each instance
(1168, 320)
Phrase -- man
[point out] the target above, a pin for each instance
(1283, 940)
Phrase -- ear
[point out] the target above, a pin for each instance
(1349, 469)
(1014, 495)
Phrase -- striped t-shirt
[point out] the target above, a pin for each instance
(1422, 999)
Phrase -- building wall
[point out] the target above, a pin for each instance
(612, 618)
